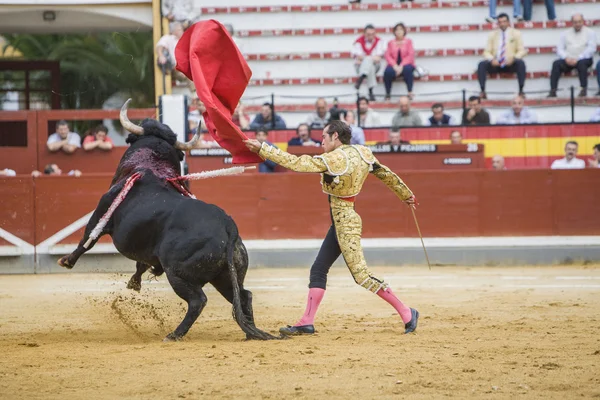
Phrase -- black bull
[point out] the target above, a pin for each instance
(193, 242)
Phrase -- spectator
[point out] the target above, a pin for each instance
(303, 138)
(321, 116)
(368, 117)
(195, 116)
(394, 141)
(267, 166)
(575, 50)
(405, 117)
(439, 118)
(63, 139)
(7, 172)
(528, 5)
(598, 77)
(498, 163)
(570, 161)
(596, 116)
(367, 51)
(456, 137)
(182, 11)
(516, 11)
(400, 57)
(265, 119)
(98, 140)
(593, 162)
(518, 114)
(54, 170)
(504, 53)
(475, 114)
(358, 134)
(165, 48)
(240, 118)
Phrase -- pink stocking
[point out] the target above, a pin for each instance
(391, 298)
(315, 295)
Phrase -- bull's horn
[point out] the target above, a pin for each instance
(187, 145)
(127, 124)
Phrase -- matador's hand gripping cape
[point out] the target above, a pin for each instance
(207, 55)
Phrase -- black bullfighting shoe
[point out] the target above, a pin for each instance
(297, 330)
(411, 325)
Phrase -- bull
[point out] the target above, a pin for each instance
(164, 231)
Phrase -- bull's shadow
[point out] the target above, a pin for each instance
(163, 228)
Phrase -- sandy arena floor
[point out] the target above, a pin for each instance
(501, 332)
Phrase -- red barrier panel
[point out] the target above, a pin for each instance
(17, 211)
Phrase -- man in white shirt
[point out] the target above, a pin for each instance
(575, 50)
(165, 47)
(320, 117)
(63, 139)
(367, 117)
(518, 114)
(187, 12)
(570, 161)
(596, 116)
(368, 51)
(594, 162)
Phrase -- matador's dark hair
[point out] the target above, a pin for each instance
(342, 129)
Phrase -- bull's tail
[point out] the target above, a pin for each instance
(243, 321)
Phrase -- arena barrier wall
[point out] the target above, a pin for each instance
(523, 146)
(46, 216)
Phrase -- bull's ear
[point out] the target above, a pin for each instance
(131, 138)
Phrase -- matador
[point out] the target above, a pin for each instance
(344, 168)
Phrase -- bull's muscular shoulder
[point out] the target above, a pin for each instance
(336, 161)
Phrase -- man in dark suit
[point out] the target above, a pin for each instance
(394, 141)
(303, 137)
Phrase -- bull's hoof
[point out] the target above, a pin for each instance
(64, 262)
(134, 285)
(172, 337)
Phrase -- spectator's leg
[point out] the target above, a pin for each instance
(521, 72)
(389, 75)
(407, 74)
(361, 77)
(550, 9)
(368, 69)
(582, 70)
(527, 9)
(482, 71)
(493, 4)
(517, 9)
(558, 67)
(598, 77)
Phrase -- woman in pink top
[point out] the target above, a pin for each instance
(400, 57)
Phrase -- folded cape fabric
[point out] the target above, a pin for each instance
(208, 56)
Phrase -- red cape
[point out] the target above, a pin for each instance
(207, 55)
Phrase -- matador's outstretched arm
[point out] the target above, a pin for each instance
(303, 163)
(391, 180)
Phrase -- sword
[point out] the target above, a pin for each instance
(421, 236)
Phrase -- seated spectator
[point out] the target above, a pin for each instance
(165, 48)
(518, 114)
(598, 77)
(303, 138)
(267, 166)
(593, 162)
(63, 139)
(498, 163)
(240, 118)
(475, 114)
(439, 118)
(320, 117)
(54, 170)
(195, 116)
(575, 50)
(504, 53)
(405, 117)
(400, 57)
(367, 51)
(265, 119)
(368, 118)
(570, 161)
(182, 11)
(7, 172)
(596, 116)
(394, 140)
(456, 137)
(98, 140)
(358, 134)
